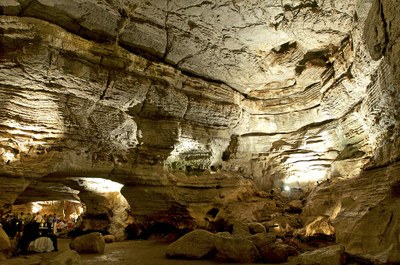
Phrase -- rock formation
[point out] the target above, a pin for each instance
(178, 112)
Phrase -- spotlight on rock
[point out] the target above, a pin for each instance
(8, 157)
(100, 185)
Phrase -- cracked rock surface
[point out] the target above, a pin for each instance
(192, 105)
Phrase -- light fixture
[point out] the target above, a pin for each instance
(286, 188)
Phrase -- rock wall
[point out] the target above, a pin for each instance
(365, 210)
(189, 104)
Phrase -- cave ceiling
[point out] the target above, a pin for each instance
(276, 91)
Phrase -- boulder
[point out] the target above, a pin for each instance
(256, 228)
(197, 244)
(69, 257)
(4, 240)
(274, 253)
(261, 239)
(109, 238)
(332, 255)
(240, 229)
(235, 249)
(296, 206)
(320, 226)
(90, 243)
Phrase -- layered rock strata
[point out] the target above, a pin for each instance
(187, 104)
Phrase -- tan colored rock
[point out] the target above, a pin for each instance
(197, 244)
(274, 253)
(4, 240)
(235, 249)
(332, 255)
(256, 228)
(320, 226)
(240, 229)
(296, 206)
(274, 102)
(68, 257)
(109, 238)
(89, 243)
(261, 239)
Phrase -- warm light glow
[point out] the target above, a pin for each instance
(100, 185)
(9, 156)
(36, 207)
(191, 147)
(287, 188)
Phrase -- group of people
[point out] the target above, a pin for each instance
(29, 227)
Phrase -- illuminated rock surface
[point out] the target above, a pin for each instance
(192, 106)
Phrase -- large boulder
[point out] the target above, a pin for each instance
(69, 257)
(90, 243)
(5, 244)
(235, 249)
(332, 255)
(240, 229)
(4, 240)
(262, 239)
(274, 253)
(197, 244)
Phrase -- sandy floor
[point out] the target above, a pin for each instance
(135, 252)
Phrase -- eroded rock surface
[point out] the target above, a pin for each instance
(194, 105)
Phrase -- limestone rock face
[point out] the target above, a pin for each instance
(190, 105)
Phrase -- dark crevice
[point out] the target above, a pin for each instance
(108, 84)
(382, 13)
(231, 149)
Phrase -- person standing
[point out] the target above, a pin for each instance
(39, 219)
(28, 218)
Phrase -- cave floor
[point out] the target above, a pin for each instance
(132, 252)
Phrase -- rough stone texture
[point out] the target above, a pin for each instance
(274, 253)
(363, 211)
(69, 257)
(109, 238)
(186, 103)
(332, 255)
(256, 228)
(235, 249)
(89, 243)
(4, 240)
(197, 244)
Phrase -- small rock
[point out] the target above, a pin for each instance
(10, 7)
(256, 228)
(109, 238)
(262, 194)
(296, 206)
